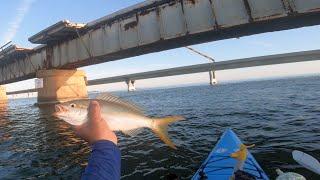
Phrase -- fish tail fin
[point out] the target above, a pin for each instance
(160, 127)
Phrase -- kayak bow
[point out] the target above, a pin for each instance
(220, 164)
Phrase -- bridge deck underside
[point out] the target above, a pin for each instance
(160, 25)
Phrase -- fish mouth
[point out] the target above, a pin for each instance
(59, 109)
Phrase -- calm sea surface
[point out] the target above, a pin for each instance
(276, 115)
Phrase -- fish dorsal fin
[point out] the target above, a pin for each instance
(111, 98)
(133, 132)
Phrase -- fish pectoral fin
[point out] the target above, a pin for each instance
(133, 132)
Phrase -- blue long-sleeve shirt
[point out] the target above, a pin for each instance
(104, 162)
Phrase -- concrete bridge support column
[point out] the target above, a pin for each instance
(212, 75)
(61, 85)
(3, 94)
(131, 86)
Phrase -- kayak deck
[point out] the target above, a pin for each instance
(219, 164)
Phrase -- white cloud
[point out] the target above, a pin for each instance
(14, 26)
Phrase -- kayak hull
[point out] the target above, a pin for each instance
(219, 164)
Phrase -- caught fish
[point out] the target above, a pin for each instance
(119, 114)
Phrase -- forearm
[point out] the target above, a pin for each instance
(104, 161)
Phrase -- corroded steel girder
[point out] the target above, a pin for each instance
(153, 26)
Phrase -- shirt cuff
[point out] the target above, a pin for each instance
(103, 144)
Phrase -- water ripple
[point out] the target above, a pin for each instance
(278, 116)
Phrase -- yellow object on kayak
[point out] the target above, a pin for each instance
(241, 155)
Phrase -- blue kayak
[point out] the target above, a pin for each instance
(219, 164)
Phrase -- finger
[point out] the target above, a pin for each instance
(105, 124)
(94, 112)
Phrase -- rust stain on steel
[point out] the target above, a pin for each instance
(269, 17)
(49, 57)
(216, 25)
(192, 1)
(130, 25)
(314, 10)
(158, 16)
(158, 12)
(287, 6)
(146, 11)
(172, 3)
(248, 9)
(182, 7)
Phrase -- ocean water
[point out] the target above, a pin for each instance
(276, 115)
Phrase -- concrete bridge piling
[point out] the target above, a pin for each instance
(61, 85)
(213, 79)
(131, 85)
(3, 94)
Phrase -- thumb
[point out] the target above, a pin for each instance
(94, 112)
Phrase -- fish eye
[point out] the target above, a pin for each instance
(72, 105)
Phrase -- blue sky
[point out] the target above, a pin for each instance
(21, 19)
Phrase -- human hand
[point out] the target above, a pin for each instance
(95, 128)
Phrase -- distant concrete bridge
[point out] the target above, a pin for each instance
(130, 79)
(151, 26)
